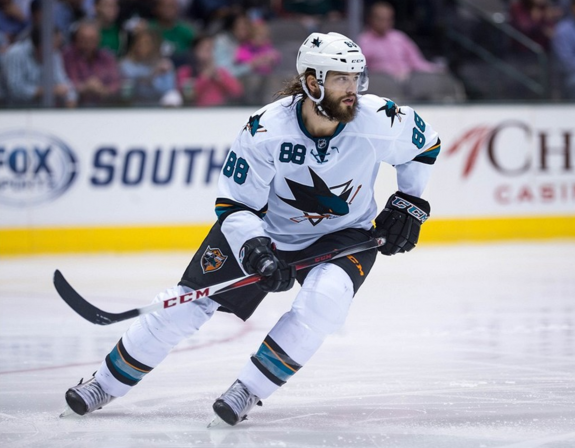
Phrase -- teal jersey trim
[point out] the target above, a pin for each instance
(430, 156)
(225, 207)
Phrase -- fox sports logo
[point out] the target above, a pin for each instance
(35, 167)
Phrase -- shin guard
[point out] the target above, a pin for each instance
(319, 310)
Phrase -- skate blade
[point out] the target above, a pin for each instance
(216, 421)
(68, 412)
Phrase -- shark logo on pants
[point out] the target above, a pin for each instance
(212, 259)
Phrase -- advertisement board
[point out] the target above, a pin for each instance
(505, 161)
(146, 179)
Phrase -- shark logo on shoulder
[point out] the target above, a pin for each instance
(253, 125)
(392, 110)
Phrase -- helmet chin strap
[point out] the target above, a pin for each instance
(317, 101)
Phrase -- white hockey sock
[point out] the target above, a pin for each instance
(257, 383)
(149, 340)
(319, 309)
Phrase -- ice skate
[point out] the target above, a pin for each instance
(68, 412)
(85, 398)
(216, 421)
(234, 404)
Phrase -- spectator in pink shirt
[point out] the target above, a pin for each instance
(204, 84)
(391, 51)
(258, 51)
(93, 70)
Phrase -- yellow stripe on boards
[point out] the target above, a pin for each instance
(101, 239)
(497, 229)
(126, 239)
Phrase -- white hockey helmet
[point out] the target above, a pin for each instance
(331, 51)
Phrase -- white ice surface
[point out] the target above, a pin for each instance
(447, 346)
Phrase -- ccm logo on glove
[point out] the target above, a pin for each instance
(417, 213)
(400, 222)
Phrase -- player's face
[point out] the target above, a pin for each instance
(340, 101)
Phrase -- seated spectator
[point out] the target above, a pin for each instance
(389, 50)
(22, 67)
(24, 5)
(177, 35)
(12, 19)
(4, 45)
(258, 51)
(135, 9)
(67, 12)
(316, 8)
(146, 75)
(564, 50)
(565, 6)
(93, 70)
(3, 49)
(4, 42)
(211, 13)
(536, 19)
(313, 13)
(236, 31)
(112, 36)
(34, 19)
(202, 82)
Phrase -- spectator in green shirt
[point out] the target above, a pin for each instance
(177, 35)
(112, 37)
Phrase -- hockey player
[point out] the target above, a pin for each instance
(298, 181)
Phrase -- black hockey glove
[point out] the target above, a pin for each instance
(258, 257)
(400, 221)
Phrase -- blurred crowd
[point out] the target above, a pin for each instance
(551, 24)
(204, 53)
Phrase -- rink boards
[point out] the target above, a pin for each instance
(97, 180)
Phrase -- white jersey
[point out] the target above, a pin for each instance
(281, 182)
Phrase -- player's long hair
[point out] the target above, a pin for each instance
(293, 87)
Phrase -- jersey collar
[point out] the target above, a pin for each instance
(337, 131)
(321, 143)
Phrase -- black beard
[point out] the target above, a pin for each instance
(336, 112)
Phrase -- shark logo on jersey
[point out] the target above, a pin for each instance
(212, 259)
(392, 110)
(319, 202)
(254, 125)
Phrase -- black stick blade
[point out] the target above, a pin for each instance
(84, 308)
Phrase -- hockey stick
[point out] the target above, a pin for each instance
(100, 317)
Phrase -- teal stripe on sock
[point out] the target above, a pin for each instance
(273, 364)
(125, 369)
